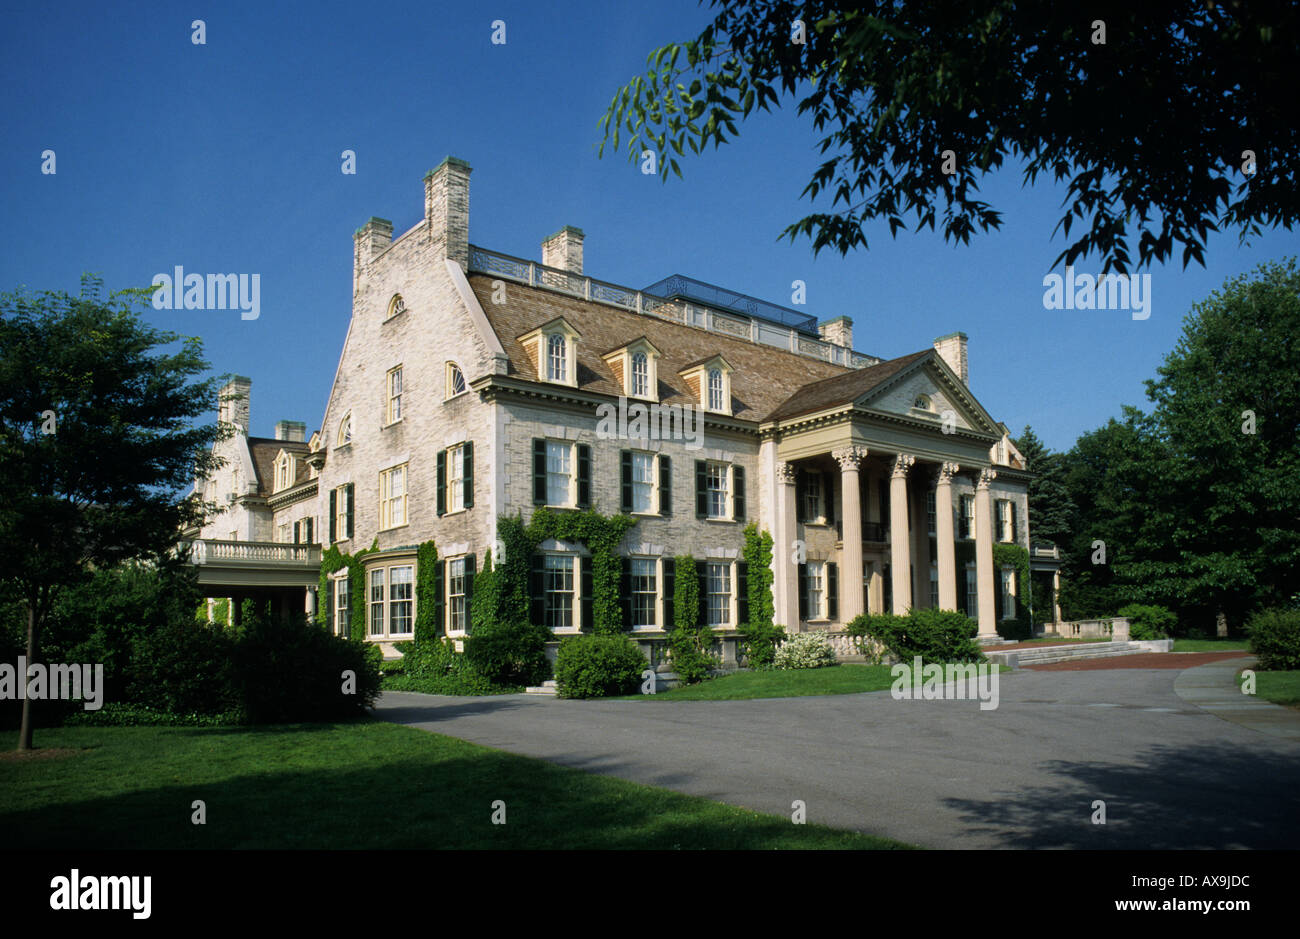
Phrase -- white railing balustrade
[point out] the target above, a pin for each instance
(213, 551)
(493, 263)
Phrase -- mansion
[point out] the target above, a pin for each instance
(471, 386)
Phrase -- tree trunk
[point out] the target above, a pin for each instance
(25, 732)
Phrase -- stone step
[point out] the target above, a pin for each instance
(1050, 655)
(546, 687)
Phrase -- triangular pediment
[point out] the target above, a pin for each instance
(928, 391)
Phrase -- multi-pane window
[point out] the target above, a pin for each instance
(643, 477)
(392, 497)
(812, 494)
(341, 513)
(1008, 594)
(559, 473)
(401, 602)
(342, 605)
(455, 478)
(640, 377)
(283, 472)
(394, 395)
(968, 516)
(644, 594)
(972, 593)
(815, 571)
(716, 481)
(377, 603)
(558, 589)
(934, 587)
(457, 618)
(717, 584)
(715, 389)
(1005, 532)
(556, 358)
(931, 513)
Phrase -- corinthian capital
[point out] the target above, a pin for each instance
(986, 476)
(849, 458)
(945, 472)
(785, 473)
(902, 463)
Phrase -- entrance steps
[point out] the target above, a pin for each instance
(1050, 655)
(546, 687)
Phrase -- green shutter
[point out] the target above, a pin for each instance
(439, 592)
(440, 500)
(351, 496)
(701, 489)
(738, 494)
(584, 476)
(539, 471)
(625, 465)
(297, 532)
(1015, 523)
(742, 593)
(469, 474)
(803, 591)
(584, 565)
(670, 571)
(665, 485)
(471, 563)
(334, 512)
(832, 590)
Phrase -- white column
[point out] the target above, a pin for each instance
(900, 547)
(944, 537)
(787, 604)
(1056, 596)
(984, 555)
(851, 553)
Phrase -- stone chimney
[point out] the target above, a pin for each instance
(233, 402)
(291, 431)
(838, 331)
(446, 209)
(952, 349)
(564, 250)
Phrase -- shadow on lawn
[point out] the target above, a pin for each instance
(402, 803)
(1201, 797)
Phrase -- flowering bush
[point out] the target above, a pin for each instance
(804, 650)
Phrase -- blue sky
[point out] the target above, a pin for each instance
(225, 157)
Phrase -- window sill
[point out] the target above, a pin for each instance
(459, 394)
(451, 512)
(395, 527)
(392, 423)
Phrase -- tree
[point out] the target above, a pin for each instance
(1198, 501)
(1050, 507)
(1171, 117)
(96, 440)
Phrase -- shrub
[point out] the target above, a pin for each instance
(1275, 637)
(1148, 622)
(184, 667)
(291, 671)
(115, 714)
(392, 667)
(598, 666)
(934, 635)
(805, 650)
(509, 653)
(761, 640)
(437, 668)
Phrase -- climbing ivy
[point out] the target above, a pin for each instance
(426, 593)
(1013, 555)
(600, 533)
(758, 555)
(690, 640)
(332, 560)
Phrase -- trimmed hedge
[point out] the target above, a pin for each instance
(598, 666)
(1274, 636)
(1148, 622)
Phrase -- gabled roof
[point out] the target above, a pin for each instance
(763, 375)
(842, 389)
(264, 450)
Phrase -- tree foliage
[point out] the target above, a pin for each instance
(1148, 129)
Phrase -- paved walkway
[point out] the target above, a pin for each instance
(1175, 660)
(1214, 688)
(941, 774)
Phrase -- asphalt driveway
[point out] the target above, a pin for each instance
(940, 774)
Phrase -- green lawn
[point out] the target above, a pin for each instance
(1278, 687)
(846, 678)
(1209, 645)
(363, 785)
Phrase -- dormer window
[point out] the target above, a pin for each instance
(557, 358)
(395, 306)
(710, 381)
(284, 471)
(553, 351)
(635, 368)
(345, 431)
